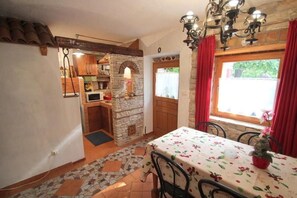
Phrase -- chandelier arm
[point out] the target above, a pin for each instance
(212, 7)
(192, 34)
(223, 5)
(243, 36)
(182, 19)
(249, 11)
(204, 32)
(221, 36)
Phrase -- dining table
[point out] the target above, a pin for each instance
(207, 156)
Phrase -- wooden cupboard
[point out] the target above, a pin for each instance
(94, 118)
(97, 116)
(106, 114)
(86, 65)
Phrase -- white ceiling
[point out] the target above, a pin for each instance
(119, 20)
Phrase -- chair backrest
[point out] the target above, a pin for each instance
(250, 138)
(215, 189)
(211, 127)
(173, 178)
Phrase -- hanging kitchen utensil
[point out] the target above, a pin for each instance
(66, 59)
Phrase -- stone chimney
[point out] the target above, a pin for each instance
(127, 108)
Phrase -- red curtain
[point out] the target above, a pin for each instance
(285, 118)
(205, 58)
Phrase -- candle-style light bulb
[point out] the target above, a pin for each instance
(256, 14)
(190, 15)
(233, 3)
(226, 27)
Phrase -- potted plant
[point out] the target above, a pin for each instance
(261, 158)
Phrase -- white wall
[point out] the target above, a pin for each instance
(34, 118)
(170, 43)
(148, 91)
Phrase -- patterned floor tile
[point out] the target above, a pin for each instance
(70, 188)
(112, 166)
(139, 151)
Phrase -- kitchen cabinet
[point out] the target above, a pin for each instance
(94, 118)
(86, 65)
(97, 116)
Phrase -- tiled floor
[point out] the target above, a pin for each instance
(84, 178)
(128, 187)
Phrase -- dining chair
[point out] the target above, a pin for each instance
(250, 138)
(169, 172)
(215, 189)
(211, 127)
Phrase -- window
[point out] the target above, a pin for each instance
(245, 85)
(167, 82)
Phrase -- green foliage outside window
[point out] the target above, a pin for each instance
(256, 69)
(173, 69)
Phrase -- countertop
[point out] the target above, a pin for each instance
(103, 103)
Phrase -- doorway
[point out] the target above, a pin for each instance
(165, 96)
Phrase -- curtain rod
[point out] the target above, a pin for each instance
(77, 35)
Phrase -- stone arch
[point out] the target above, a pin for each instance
(129, 64)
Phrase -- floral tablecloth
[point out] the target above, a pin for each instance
(204, 155)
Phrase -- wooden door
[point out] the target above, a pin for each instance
(94, 118)
(165, 104)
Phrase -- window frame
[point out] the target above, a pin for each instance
(219, 60)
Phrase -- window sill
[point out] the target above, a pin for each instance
(236, 122)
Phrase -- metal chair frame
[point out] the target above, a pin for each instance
(254, 134)
(166, 187)
(217, 188)
(214, 125)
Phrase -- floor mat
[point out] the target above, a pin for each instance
(98, 138)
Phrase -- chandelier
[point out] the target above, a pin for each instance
(221, 15)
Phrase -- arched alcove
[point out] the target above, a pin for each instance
(129, 64)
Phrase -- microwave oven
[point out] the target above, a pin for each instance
(94, 96)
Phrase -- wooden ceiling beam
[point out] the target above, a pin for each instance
(98, 47)
(134, 44)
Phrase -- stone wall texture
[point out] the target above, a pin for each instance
(127, 111)
(233, 129)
